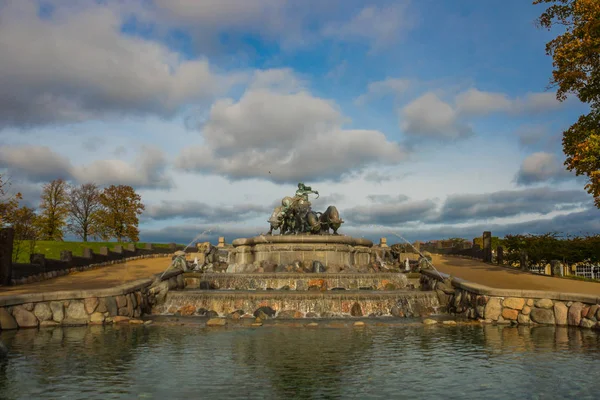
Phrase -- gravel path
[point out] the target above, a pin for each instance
(506, 278)
(100, 278)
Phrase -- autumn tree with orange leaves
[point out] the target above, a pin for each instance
(120, 208)
(576, 61)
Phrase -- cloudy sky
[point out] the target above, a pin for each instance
(425, 119)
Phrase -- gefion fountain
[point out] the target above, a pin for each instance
(308, 270)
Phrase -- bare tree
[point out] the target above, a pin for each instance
(53, 210)
(8, 202)
(84, 203)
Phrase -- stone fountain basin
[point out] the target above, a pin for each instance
(310, 304)
(297, 282)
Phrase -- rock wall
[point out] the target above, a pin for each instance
(104, 306)
(516, 307)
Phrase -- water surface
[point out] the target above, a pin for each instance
(187, 362)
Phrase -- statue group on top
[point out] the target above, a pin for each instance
(295, 215)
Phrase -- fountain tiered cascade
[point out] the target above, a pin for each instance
(303, 272)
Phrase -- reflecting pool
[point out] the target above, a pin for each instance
(286, 361)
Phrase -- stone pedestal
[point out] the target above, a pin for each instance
(383, 242)
(556, 268)
(221, 243)
(88, 253)
(327, 249)
(500, 255)
(66, 255)
(6, 250)
(487, 246)
(38, 259)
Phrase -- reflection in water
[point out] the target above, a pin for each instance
(284, 362)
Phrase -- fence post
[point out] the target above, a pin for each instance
(500, 255)
(7, 236)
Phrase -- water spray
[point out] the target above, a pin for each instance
(185, 248)
(418, 251)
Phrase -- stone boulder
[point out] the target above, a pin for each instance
(7, 321)
(544, 303)
(216, 322)
(24, 318)
(523, 319)
(42, 311)
(510, 314)
(264, 312)
(542, 316)
(90, 304)
(97, 318)
(58, 311)
(560, 313)
(587, 323)
(493, 309)
(76, 310)
(111, 306)
(516, 303)
(574, 315)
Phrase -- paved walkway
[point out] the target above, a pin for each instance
(505, 278)
(100, 278)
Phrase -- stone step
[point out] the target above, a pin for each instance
(293, 282)
(313, 304)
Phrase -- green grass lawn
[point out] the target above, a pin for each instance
(52, 249)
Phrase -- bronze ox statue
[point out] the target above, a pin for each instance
(295, 215)
(305, 221)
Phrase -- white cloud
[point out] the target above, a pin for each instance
(77, 65)
(378, 25)
(530, 135)
(284, 138)
(41, 164)
(291, 24)
(476, 102)
(429, 116)
(533, 103)
(394, 86)
(541, 167)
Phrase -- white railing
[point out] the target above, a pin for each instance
(588, 271)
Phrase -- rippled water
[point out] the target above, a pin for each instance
(187, 362)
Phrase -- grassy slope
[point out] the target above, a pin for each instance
(52, 249)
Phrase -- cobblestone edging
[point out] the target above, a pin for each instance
(54, 274)
(124, 303)
(511, 306)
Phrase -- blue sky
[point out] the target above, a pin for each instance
(431, 119)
